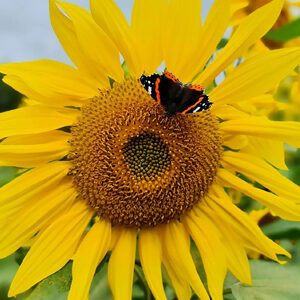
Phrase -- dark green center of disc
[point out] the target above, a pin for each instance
(146, 156)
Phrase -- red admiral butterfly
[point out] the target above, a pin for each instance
(168, 91)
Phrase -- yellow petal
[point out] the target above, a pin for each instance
(151, 256)
(270, 150)
(34, 215)
(237, 5)
(250, 30)
(238, 17)
(235, 141)
(65, 32)
(35, 119)
(121, 265)
(94, 41)
(53, 248)
(285, 131)
(146, 24)
(89, 254)
(258, 214)
(242, 226)
(177, 251)
(261, 105)
(256, 75)
(58, 83)
(237, 259)
(238, 263)
(111, 19)
(283, 207)
(31, 185)
(179, 283)
(258, 170)
(228, 112)
(182, 35)
(211, 35)
(235, 253)
(296, 4)
(19, 85)
(211, 250)
(27, 151)
(39, 138)
(115, 234)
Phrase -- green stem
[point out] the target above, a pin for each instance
(227, 291)
(138, 271)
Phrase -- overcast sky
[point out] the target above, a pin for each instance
(26, 33)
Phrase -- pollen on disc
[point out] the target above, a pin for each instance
(137, 166)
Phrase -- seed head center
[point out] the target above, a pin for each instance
(146, 156)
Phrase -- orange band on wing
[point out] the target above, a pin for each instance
(157, 90)
(196, 87)
(194, 105)
(171, 76)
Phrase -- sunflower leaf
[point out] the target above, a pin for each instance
(7, 174)
(222, 43)
(271, 281)
(100, 288)
(286, 32)
(55, 287)
(9, 98)
(282, 229)
(8, 268)
(20, 254)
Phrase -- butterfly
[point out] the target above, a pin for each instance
(175, 97)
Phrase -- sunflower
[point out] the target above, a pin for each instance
(266, 103)
(241, 8)
(106, 169)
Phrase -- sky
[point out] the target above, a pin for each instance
(26, 33)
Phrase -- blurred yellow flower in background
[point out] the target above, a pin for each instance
(278, 99)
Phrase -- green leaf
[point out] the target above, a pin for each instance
(125, 70)
(141, 289)
(8, 268)
(100, 288)
(222, 43)
(286, 32)
(229, 297)
(9, 98)
(198, 263)
(282, 229)
(7, 174)
(20, 254)
(54, 287)
(271, 281)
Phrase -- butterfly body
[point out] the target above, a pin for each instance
(168, 91)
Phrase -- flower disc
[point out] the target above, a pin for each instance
(137, 166)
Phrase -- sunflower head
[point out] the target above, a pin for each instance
(138, 166)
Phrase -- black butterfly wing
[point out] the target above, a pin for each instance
(149, 83)
(169, 91)
(193, 100)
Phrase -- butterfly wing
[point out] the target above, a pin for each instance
(168, 91)
(164, 88)
(193, 99)
(149, 83)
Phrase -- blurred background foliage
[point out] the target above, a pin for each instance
(271, 281)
